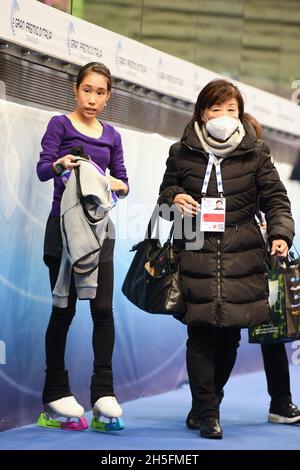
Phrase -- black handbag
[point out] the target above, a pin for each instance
(153, 280)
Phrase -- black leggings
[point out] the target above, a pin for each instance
(57, 383)
(277, 372)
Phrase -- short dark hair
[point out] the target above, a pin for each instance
(96, 67)
(255, 124)
(217, 92)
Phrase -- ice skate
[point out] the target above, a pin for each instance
(109, 408)
(66, 407)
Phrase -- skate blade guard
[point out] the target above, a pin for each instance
(71, 424)
(114, 424)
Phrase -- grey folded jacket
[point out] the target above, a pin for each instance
(84, 215)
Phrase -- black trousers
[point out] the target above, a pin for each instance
(277, 372)
(211, 355)
(57, 383)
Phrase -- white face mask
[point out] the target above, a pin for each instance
(222, 127)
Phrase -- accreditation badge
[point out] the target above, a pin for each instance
(213, 214)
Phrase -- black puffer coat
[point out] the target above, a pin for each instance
(224, 282)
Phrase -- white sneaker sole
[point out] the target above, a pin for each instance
(272, 418)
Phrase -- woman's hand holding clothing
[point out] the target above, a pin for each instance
(118, 186)
(67, 161)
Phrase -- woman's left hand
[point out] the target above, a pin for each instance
(117, 185)
(279, 248)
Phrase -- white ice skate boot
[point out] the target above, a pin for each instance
(66, 407)
(109, 408)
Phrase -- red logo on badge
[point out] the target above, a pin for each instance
(213, 217)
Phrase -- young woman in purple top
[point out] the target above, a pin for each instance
(103, 143)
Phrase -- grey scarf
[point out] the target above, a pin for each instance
(219, 149)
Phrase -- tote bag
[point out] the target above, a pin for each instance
(284, 301)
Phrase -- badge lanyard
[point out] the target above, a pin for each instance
(211, 163)
(213, 209)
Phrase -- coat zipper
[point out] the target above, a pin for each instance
(219, 287)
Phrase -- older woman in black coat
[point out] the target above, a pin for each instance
(223, 281)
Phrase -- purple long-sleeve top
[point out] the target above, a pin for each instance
(58, 140)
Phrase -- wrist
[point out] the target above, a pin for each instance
(58, 167)
(123, 189)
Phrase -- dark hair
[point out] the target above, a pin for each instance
(96, 67)
(217, 92)
(219, 200)
(255, 124)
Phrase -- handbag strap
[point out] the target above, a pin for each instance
(154, 221)
(281, 264)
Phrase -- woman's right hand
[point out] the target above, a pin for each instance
(67, 161)
(186, 204)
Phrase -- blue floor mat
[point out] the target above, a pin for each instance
(158, 422)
